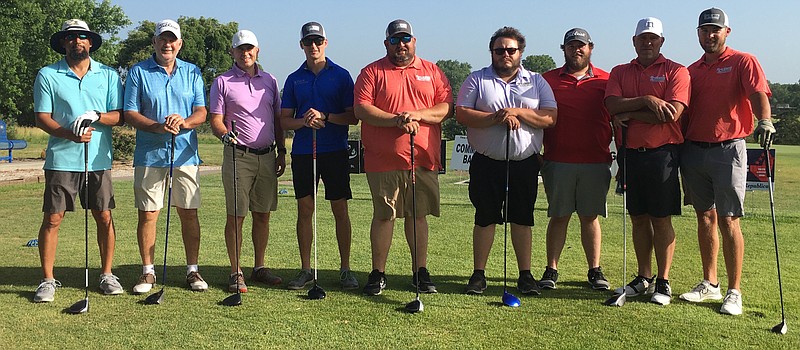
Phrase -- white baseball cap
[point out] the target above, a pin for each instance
(244, 37)
(649, 25)
(168, 25)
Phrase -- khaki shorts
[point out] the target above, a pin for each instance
(257, 185)
(392, 190)
(150, 183)
(576, 187)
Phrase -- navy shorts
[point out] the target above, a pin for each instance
(332, 168)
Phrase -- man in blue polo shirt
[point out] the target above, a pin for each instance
(74, 89)
(319, 96)
(164, 97)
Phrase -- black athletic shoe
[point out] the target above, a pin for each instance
(597, 280)
(425, 284)
(376, 282)
(527, 284)
(549, 278)
(477, 283)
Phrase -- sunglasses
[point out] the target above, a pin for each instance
(73, 36)
(397, 39)
(509, 50)
(315, 40)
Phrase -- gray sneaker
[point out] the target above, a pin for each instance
(303, 278)
(348, 279)
(109, 285)
(46, 291)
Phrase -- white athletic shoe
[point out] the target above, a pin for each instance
(732, 305)
(702, 291)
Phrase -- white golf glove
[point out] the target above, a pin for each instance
(229, 138)
(764, 131)
(83, 122)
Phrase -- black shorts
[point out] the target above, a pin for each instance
(332, 168)
(61, 188)
(653, 185)
(487, 192)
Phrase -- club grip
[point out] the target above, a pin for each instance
(233, 125)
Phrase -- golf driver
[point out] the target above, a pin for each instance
(780, 328)
(82, 306)
(509, 299)
(415, 305)
(158, 297)
(619, 298)
(235, 299)
(316, 292)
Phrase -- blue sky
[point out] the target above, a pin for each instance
(461, 29)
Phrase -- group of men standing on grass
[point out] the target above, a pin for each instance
(665, 116)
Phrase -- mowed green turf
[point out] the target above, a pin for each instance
(570, 317)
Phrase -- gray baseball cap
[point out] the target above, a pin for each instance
(713, 17)
(578, 34)
(312, 28)
(398, 26)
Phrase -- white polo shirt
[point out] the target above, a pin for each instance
(485, 91)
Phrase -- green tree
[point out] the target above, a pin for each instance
(456, 73)
(25, 45)
(538, 63)
(206, 43)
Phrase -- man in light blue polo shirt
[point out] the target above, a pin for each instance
(164, 96)
(493, 100)
(319, 96)
(72, 90)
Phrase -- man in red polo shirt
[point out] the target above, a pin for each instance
(576, 169)
(728, 88)
(395, 96)
(648, 96)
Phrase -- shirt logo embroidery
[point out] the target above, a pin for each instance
(423, 77)
(655, 79)
(723, 70)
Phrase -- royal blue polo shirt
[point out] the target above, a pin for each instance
(154, 94)
(331, 91)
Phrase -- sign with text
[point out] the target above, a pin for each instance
(757, 169)
(462, 153)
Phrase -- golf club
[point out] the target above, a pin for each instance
(158, 297)
(620, 298)
(316, 292)
(509, 299)
(82, 306)
(235, 299)
(415, 305)
(780, 328)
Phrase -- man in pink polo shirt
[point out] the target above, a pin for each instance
(249, 96)
(395, 96)
(728, 88)
(647, 96)
(576, 169)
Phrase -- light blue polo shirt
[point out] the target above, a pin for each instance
(331, 91)
(58, 91)
(485, 91)
(154, 94)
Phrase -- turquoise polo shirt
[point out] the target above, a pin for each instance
(58, 91)
(330, 91)
(154, 94)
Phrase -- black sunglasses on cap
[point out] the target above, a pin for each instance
(509, 50)
(73, 36)
(394, 40)
(307, 41)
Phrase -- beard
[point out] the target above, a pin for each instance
(577, 63)
(401, 58)
(78, 55)
(505, 71)
(714, 47)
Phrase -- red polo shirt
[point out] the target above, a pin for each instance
(393, 89)
(664, 79)
(720, 107)
(583, 131)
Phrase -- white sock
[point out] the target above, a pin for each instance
(148, 269)
(190, 269)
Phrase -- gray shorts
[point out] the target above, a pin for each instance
(576, 187)
(61, 188)
(716, 176)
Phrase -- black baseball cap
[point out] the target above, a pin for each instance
(713, 17)
(578, 34)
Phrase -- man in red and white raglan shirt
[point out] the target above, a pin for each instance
(728, 88)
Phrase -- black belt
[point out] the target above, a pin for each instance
(714, 144)
(256, 151)
(643, 149)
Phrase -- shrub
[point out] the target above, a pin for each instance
(124, 142)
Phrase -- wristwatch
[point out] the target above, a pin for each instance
(326, 116)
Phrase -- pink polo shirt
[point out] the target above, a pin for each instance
(720, 107)
(392, 89)
(664, 79)
(253, 102)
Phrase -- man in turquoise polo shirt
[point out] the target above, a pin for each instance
(164, 97)
(72, 90)
(319, 96)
